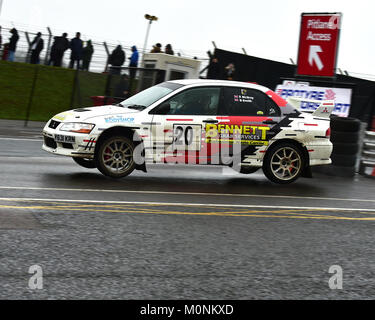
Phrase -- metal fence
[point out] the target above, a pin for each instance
(102, 48)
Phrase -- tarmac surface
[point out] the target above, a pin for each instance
(177, 232)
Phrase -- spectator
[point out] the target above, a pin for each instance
(156, 48)
(60, 45)
(229, 71)
(168, 49)
(87, 55)
(76, 45)
(1, 39)
(133, 62)
(13, 44)
(37, 46)
(213, 69)
(117, 59)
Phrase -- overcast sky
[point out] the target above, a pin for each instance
(265, 28)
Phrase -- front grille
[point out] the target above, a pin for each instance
(53, 124)
(67, 145)
(49, 142)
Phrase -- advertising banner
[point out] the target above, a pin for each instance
(341, 96)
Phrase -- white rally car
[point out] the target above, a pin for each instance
(202, 122)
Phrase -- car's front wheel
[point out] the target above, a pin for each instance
(114, 157)
(86, 163)
(283, 163)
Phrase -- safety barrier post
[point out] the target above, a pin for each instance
(32, 92)
(367, 165)
(46, 59)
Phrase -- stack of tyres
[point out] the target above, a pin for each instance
(345, 137)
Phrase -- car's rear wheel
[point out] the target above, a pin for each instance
(283, 163)
(86, 163)
(114, 157)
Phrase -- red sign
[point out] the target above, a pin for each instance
(318, 44)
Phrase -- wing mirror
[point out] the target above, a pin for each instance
(162, 109)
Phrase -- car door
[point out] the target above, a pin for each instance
(178, 125)
(246, 121)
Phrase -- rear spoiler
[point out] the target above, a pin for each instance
(323, 111)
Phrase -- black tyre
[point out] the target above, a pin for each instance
(114, 157)
(248, 170)
(86, 163)
(344, 137)
(284, 163)
(345, 148)
(343, 160)
(345, 124)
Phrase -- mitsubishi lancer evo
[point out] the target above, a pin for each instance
(196, 122)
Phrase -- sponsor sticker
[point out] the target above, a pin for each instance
(244, 134)
(119, 119)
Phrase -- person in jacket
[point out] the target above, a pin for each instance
(76, 45)
(117, 59)
(13, 44)
(169, 50)
(230, 71)
(36, 47)
(133, 62)
(156, 48)
(59, 46)
(213, 69)
(87, 53)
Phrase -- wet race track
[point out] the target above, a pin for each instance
(178, 232)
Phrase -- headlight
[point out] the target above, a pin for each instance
(77, 127)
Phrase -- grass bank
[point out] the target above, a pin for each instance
(52, 92)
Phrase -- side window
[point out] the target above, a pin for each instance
(248, 102)
(196, 101)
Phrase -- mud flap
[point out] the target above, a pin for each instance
(307, 173)
(141, 167)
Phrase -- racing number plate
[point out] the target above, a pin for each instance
(187, 137)
(67, 139)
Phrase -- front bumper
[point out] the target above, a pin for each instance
(83, 145)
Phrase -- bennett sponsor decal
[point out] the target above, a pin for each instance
(341, 96)
(244, 134)
(118, 119)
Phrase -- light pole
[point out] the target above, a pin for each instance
(1, 4)
(150, 19)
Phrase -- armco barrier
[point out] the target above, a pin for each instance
(367, 165)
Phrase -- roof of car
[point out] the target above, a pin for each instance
(228, 83)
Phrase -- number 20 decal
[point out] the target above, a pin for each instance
(184, 135)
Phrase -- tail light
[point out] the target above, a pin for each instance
(328, 133)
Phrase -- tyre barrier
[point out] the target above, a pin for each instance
(367, 164)
(345, 137)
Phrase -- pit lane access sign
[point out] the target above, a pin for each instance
(318, 44)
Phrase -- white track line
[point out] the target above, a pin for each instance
(184, 204)
(187, 193)
(21, 139)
